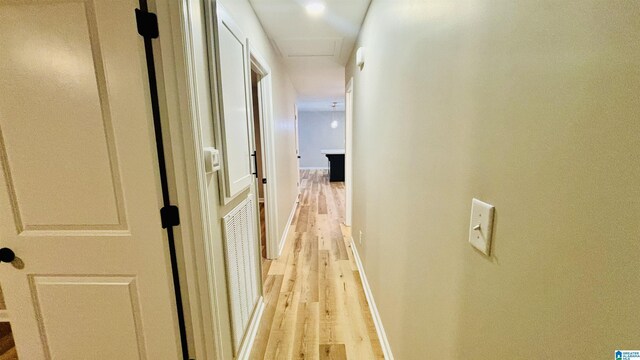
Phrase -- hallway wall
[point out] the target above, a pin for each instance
(317, 134)
(530, 106)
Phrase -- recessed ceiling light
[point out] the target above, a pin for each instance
(315, 8)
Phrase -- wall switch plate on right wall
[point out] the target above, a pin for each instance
(481, 226)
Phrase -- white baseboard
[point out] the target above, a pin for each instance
(252, 331)
(377, 321)
(283, 239)
(314, 168)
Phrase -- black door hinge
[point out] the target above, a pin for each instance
(264, 180)
(147, 24)
(169, 216)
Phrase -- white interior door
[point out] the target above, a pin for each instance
(79, 190)
(234, 91)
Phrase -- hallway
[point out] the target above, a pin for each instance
(315, 303)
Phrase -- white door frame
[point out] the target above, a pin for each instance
(349, 152)
(265, 102)
(297, 137)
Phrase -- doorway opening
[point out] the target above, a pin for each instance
(321, 130)
(264, 160)
(259, 169)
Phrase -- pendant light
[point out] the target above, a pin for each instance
(334, 122)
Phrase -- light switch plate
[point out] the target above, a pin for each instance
(211, 160)
(481, 226)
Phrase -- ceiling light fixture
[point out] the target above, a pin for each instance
(315, 8)
(334, 122)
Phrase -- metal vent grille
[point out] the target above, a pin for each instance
(242, 266)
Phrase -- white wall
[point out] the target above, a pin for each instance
(316, 133)
(531, 106)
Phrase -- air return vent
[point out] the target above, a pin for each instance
(242, 266)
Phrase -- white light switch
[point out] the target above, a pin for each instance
(211, 160)
(481, 225)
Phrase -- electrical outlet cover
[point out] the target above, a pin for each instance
(481, 226)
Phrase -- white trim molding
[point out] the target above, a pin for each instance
(377, 321)
(348, 159)
(285, 233)
(252, 331)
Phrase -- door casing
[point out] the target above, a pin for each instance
(349, 152)
(261, 67)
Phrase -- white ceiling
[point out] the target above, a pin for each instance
(315, 49)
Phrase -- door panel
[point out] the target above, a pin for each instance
(40, 139)
(235, 114)
(87, 307)
(79, 187)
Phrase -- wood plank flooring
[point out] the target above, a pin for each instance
(315, 303)
(266, 263)
(7, 346)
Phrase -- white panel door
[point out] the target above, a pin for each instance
(79, 187)
(233, 75)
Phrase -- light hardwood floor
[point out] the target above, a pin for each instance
(315, 302)
(7, 346)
